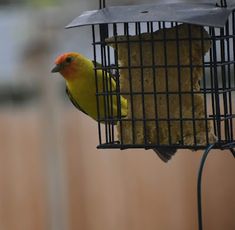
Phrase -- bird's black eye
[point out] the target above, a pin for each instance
(68, 59)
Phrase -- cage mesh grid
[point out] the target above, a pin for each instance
(217, 84)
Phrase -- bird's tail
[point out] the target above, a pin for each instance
(165, 153)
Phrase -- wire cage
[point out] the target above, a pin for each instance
(174, 66)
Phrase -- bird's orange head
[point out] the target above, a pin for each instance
(67, 65)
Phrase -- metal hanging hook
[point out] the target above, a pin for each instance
(223, 3)
(102, 4)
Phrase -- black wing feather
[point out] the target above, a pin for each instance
(74, 102)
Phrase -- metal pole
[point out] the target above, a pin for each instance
(199, 186)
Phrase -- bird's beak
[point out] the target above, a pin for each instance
(56, 69)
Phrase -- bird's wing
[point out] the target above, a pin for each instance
(111, 71)
(96, 64)
(75, 103)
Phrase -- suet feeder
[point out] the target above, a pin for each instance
(174, 63)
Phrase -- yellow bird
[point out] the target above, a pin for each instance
(79, 75)
(78, 72)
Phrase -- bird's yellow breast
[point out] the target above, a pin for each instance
(84, 93)
(83, 90)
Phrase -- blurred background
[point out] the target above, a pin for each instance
(52, 177)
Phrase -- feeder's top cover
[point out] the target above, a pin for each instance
(206, 14)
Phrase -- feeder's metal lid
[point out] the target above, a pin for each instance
(206, 14)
